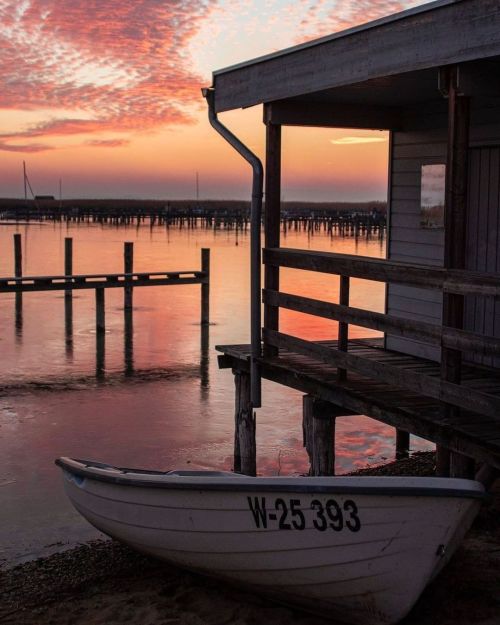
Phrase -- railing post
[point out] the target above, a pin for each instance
(128, 263)
(343, 335)
(205, 286)
(272, 196)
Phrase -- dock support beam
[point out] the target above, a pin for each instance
(128, 267)
(245, 448)
(318, 426)
(68, 264)
(100, 322)
(402, 444)
(205, 287)
(18, 272)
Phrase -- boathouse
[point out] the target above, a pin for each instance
(431, 77)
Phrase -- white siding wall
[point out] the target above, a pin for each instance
(424, 144)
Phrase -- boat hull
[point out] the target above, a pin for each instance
(359, 550)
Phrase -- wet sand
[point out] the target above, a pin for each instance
(105, 583)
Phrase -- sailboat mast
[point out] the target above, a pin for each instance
(25, 186)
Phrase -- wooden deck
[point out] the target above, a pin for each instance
(469, 433)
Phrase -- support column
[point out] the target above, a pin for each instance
(462, 466)
(318, 427)
(402, 444)
(68, 264)
(18, 272)
(128, 267)
(442, 461)
(272, 194)
(245, 448)
(205, 287)
(455, 238)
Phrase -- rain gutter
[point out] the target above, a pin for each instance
(255, 256)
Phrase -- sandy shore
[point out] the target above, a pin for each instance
(104, 583)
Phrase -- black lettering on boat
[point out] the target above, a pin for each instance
(334, 513)
(320, 521)
(281, 505)
(298, 518)
(258, 509)
(354, 522)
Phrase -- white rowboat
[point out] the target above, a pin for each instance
(356, 549)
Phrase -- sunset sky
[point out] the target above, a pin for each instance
(105, 94)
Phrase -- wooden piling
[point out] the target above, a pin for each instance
(205, 286)
(402, 444)
(100, 322)
(318, 425)
(68, 263)
(18, 256)
(462, 466)
(128, 262)
(18, 272)
(245, 449)
(442, 461)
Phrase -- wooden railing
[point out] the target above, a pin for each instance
(458, 282)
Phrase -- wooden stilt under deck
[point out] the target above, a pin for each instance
(245, 450)
(318, 426)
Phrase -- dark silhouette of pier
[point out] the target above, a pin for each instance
(344, 218)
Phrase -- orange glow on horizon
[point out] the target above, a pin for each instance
(113, 106)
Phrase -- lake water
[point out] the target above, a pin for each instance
(158, 400)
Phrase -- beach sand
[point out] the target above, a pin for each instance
(105, 583)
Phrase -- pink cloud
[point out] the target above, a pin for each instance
(122, 65)
(325, 17)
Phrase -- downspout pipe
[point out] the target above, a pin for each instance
(255, 255)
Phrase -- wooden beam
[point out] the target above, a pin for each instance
(425, 385)
(333, 115)
(399, 326)
(425, 37)
(436, 278)
(343, 333)
(272, 221)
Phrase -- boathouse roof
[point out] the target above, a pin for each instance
(389, 62)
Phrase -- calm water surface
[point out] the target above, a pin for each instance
(156, 398)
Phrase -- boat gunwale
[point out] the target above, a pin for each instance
(237, 485)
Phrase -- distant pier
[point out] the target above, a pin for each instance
(334, 218)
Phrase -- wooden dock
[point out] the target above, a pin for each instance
(468, 433)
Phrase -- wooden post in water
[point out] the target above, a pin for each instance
(318, 426)
(128, 261)
(18, 272)
(442, 461)
(205, 286)
(245, 449)
(100, 321)
(68, 264)
(402, 444)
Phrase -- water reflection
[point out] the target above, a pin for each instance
(68, 326)
(128, 344)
